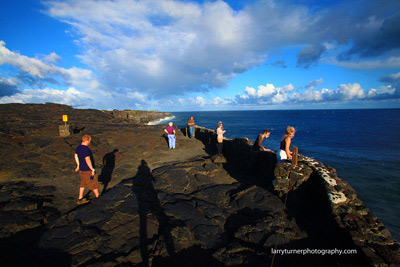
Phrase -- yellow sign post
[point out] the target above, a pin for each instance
(65, 119)
(64, 129)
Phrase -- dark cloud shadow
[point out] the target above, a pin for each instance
(7, 89)
(309, 56)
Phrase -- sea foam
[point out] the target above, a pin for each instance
(161, 121)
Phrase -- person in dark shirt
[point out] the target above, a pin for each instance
(260, 138)
(85, 166)
(284, 153)
(257, 147)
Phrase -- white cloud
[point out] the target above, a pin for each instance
(143, 51)
(269, 94)
(219, 102)
(32, 66)
(309, 95)
(382, 90)
(198, 101)
(266, 91)
(350, 91)
(279, 98)
(163, 47)
(265, 94)
(391, 62)
(172, 47)
(81, 99)
(45, 71)
(83, 87)
(313, 84)
(68, 97)
(137, 96)
(10, 81)
(287, 88)
(52, 58)
(250, 91)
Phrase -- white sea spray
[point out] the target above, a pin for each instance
(160, 121)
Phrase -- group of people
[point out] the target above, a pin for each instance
(284, 152)
(89, 179)
(170, 131)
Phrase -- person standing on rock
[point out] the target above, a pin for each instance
(171, 135)
(85, 166)
(191, 127)
(257, 147)
(220, 137)
(284, 153)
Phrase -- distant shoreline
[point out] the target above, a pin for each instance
(156, 122)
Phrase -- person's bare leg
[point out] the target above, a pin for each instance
(81, 191)
(96, 192)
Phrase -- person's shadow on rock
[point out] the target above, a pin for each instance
(148, 203)
(107, 170)
(166, 138)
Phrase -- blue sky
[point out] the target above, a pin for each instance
(181, 55)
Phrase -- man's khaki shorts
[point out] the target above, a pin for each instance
(86, 182)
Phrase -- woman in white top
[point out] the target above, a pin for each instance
(284, 153)
(220, 137)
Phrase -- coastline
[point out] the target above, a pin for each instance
(314, 186)
(140, 117)
(337, 138)
(189, 201)
(159, 121)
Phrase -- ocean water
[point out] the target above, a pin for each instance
(362, 145)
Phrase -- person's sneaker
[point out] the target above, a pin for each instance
(82, 201)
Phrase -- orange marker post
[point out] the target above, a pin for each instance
(295, 157)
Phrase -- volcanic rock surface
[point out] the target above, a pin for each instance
(166, 216)
(158, 207)
(37, 178)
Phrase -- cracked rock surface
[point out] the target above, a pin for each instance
(162, 207)
(162, 216)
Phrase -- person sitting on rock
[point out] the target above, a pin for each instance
(191, 127)
(171, 135)
(284, 153)
(85, 166)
